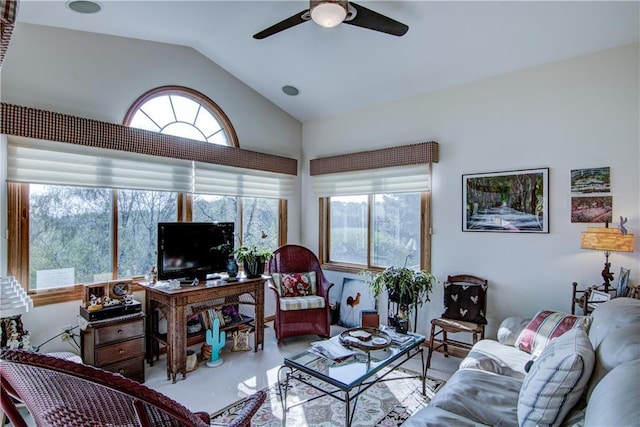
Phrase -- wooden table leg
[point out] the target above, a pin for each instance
(258, 335)
(177, 339)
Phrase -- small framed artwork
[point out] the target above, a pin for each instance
(592, 180)
(512, 201)
(592, 209)
(597, 297)
(356, 297)
(623, 282)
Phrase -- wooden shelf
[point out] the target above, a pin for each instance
(197, 337)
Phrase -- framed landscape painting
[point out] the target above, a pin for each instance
(512, 201)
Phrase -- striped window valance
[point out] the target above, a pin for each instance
(53, 148)
(8, 10)
(51, 126)
(405, 169)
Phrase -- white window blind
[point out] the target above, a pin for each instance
(401, 179)
(47, 162)
(230, 181)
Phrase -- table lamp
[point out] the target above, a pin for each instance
(607, 240)
(14, 302)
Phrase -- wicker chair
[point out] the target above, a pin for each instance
(63, 393)
(308, 321)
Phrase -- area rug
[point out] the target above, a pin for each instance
(387, 404)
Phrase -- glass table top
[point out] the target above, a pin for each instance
(352, 370)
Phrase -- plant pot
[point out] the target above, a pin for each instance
(254, 269)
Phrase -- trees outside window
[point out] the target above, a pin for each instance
(69, 235)
(138, 215)
(375, 231)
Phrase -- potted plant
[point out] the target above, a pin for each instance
(407, 289)
(253, 259)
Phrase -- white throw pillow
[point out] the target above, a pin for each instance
(556, 380)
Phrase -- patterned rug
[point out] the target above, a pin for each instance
(387, 403)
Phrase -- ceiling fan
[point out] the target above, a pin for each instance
(329, 13)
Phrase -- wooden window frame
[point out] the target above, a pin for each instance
(324, 230)
(18, 242)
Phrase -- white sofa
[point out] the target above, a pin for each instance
(577, 380)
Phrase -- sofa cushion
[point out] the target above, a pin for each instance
(465, 301)
(556, 380)
(479, 396)
(295, 284)
(433, 416)
(621, 345)
(614, 401)
(489, 355)
(546, 326)
(611, 316)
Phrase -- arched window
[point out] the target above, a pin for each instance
(184, 112)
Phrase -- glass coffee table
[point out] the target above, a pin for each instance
(346, 379)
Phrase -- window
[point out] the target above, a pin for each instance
(375, 231)
(69, 235)
(375, 207)
(103, 225)
(180, 111)
(138, 215)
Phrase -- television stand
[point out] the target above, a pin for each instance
(181, 304)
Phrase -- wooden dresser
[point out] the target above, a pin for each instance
(116, 345)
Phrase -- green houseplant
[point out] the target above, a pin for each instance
(407, 289)
(253, 259)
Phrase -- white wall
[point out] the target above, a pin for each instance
(578, 113)
(99, 77)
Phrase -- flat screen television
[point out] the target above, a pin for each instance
(190, 250)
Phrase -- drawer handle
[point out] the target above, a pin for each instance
(121, 351)
(119, 331)
(122, 371)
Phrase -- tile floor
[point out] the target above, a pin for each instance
(244, 373)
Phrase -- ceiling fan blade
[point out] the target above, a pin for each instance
(367, 18)
(292, 21)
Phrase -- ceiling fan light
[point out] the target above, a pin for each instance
(328, 14)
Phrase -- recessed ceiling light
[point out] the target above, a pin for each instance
(290, 90)
(84, 6)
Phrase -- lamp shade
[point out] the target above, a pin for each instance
(606, 239)
(13, 299)
(328, 14)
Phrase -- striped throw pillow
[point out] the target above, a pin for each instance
(545, 327)
(556, 380)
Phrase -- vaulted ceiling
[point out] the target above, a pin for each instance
(347, 67)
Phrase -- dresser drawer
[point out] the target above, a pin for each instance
(119, 331)
(132, 368)
(119, 351)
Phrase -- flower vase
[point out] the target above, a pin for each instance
(232, 268)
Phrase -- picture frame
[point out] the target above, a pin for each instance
(99, 290)
(623, 282)
(596, 297)
(514, 201)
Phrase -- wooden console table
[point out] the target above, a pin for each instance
(180, 304)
